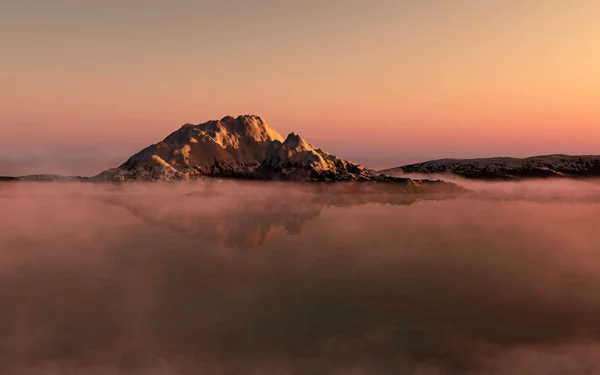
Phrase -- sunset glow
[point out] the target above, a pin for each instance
(381, 83)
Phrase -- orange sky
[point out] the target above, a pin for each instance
(379, 82)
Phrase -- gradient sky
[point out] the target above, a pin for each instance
(378, 82)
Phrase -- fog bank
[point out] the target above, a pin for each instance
(253, 278)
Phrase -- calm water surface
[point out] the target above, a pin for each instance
(268, 279)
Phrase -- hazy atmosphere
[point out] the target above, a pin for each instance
(238, 278)
(85, 84)
(311, 187)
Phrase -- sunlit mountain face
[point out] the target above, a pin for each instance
(243, 147)
(230, 277)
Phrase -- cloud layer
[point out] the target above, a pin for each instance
(231, 278)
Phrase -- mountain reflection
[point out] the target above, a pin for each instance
(245, 214)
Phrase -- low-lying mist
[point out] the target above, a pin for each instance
(251, 278)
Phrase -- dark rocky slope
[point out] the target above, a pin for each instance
(504, 168)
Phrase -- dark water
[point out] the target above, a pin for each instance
(270, 279)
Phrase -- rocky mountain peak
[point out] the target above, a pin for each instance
(243, 147)
(296, 143)
(250, 126)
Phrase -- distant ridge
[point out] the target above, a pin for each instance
(507, 168)
(44, 177)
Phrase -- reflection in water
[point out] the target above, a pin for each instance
(136, 281)
(229, 215)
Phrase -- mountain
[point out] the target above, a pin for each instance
(505, 168)
(245, 148)
(242, 147)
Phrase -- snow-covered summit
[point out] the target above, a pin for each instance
(242, 147)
